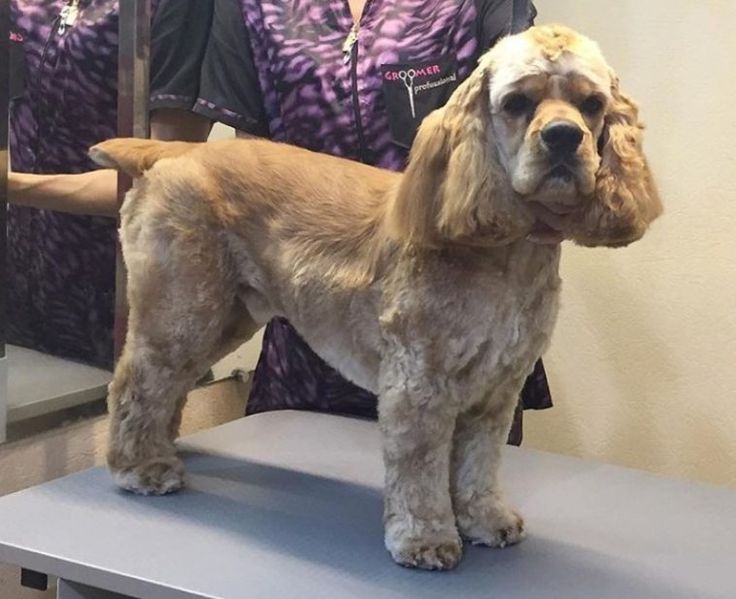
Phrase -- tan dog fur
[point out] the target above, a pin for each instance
(424, 288)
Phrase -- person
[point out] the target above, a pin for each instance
(351, 78)
(61, 241)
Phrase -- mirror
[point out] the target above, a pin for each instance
(60, 266)
(64, 312)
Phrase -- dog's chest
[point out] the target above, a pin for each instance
(489, 320)
(505, 344)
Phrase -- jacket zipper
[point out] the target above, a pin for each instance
(68, 16)
(350, 49)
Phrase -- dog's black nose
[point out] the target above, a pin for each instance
(562, 137)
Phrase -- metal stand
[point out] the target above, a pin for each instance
(133, 67)
(33, 580)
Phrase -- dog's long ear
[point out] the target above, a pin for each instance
(626, 200)
(454, 188)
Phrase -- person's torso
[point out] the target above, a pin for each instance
(361, 95)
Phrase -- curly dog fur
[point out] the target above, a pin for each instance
(437, 288)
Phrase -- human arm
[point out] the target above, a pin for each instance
(96, 192)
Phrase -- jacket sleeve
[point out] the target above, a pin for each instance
(179, 33)
(497, 18)
(230, 91)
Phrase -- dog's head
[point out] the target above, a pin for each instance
(539, 141)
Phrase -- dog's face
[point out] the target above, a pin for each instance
(540, 142)
(553, 100)
(549, 93)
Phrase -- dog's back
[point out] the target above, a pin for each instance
(252, 187)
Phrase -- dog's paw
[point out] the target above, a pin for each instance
(427, 550)
(495, 525)
(428, 555)
(158, 476)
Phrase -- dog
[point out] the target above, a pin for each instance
(437, 289)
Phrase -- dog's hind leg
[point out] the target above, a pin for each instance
(141, 455)
(243, 327)
(480, 509)
(182, 295)
(148, 394)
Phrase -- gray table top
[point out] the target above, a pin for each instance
(289, 504)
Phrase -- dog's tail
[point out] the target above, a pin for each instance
(135, 156)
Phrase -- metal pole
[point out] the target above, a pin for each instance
(4, 91)
(133, 61)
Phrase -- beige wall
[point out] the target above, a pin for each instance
(643, 362)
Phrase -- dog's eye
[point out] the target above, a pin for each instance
(517, 104)
(591, 106)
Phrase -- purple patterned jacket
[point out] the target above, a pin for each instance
(298, 72)
(61, 267)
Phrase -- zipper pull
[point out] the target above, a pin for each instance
(347, 46)
(68, 16)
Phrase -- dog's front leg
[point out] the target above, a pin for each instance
(483, 516)
(417, 420)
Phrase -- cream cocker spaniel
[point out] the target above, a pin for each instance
(437, 288)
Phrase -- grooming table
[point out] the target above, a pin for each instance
(288, 504)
